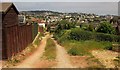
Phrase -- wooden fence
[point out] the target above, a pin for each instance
(0, 37)
(34, 30)
(15, 39)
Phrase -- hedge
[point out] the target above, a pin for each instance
(107, 37)
(78, 34)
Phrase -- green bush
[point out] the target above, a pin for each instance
(65, 36)
(116, 38)
(106, 27)
(107, 37)
(58, 34)
(108, 47)
(84, 26)
(78, 34)
(64, 25)
(73, 51)
(103, 37)
(91, 28)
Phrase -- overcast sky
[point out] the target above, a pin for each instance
(62, 0)
(101, 7)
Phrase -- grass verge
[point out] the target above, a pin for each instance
(50, 50)
(84, 47)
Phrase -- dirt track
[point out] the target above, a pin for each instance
(63, 60)
(31, 60)
(34, 61)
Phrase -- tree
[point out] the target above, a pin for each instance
(106, 27)
(84, 26)
(91, 28)
(64, 25)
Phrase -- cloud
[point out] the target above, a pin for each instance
(88, 7)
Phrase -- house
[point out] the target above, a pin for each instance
(41, 25)
(15, 37)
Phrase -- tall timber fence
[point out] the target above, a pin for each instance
(16, 38)
(34, 30)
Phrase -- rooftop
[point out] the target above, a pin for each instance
(4, 6)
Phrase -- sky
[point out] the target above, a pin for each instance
(100, 7)
(62, 0)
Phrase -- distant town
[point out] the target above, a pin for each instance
(51, 17)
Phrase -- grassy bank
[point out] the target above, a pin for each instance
(38, 38)
(79, 42)
(50, 50)
(84, 47)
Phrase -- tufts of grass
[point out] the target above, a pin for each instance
(13, 61)
(50, 50)
(37, 41)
